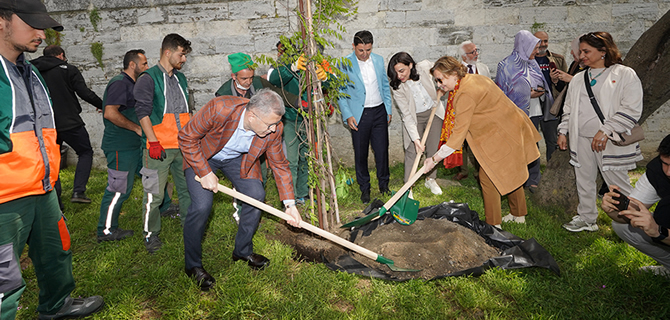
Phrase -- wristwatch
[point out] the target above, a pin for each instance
(662, 234)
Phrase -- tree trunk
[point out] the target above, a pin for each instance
(650, 58)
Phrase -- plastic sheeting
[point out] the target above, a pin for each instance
(516, 252)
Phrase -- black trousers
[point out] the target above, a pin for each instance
(372, 130)
(80, 142)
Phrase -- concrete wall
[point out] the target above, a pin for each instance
(427, 29)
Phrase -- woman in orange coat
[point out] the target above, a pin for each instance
(501, 136)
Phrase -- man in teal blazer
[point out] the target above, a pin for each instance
(367, 111)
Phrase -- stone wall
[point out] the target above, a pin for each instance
(427, 29)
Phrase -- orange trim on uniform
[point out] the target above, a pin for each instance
(64, 234)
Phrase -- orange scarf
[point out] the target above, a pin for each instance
(455, 159)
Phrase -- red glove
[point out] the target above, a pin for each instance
(156, 151)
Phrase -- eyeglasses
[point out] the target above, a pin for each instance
(477, 51)
(269, 128)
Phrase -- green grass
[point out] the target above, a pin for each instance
(599, 277)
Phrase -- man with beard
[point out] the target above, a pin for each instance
(548, 62)
(162, 109)
(122, 144)
(29, 163)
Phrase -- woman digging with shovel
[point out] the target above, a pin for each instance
(501, 137)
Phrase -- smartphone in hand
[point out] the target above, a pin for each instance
(552, 65)
(623, 201)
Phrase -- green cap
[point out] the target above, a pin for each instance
(240, 61)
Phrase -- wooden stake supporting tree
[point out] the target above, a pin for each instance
(317, 20)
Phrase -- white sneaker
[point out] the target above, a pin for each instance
(577, 225)
(433, 186)
(515, 219)
(498, 226)
(656, 270)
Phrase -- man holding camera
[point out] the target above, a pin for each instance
(634, 223)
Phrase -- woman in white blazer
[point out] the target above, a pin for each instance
(415, 95)
(618, 91)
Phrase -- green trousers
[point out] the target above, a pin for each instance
(36, 221)
(297, 148)
(154, 179)
(122, 167)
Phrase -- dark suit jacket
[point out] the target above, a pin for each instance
(210, 129)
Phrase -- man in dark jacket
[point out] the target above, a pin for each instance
(63, 81)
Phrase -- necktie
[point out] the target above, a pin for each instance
(470, 69)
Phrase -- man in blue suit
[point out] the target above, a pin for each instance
(367, 112)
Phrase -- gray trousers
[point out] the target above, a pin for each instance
(591, 162)
(432, 142)
(641, 241)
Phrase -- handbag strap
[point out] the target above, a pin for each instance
(592, 98)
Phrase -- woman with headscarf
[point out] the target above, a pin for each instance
(520, 78)
(618, 93)
(414, 92)
(500, 135)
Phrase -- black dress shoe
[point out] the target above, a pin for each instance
(79, 197)
(204, 279)
(255, 260)
(365, 197)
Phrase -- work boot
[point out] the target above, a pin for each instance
(173, 209)
(76, 308)
(153, 243)
(116, 234)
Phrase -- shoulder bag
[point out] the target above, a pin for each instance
(636, 133)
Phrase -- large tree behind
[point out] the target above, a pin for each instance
(650, 57)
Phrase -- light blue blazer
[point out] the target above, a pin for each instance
(352, 106)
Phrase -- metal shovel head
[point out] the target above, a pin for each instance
(405, 210)
(362, 221)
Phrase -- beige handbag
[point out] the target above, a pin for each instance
(636, 135)
(558, 103)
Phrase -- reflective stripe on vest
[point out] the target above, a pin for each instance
(165, 124)
(26, 169)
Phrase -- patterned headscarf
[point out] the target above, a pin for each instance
(518, 73)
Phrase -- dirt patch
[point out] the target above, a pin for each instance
(437, 247)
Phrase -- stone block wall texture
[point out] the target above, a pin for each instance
(427, 29)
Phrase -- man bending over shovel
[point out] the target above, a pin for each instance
(230, 134)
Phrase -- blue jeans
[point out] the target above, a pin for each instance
(201, 207)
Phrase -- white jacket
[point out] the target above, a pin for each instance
(405, 101)
(620, 100)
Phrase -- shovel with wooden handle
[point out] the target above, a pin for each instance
(278, 213)
(425, 134)
(405, 213)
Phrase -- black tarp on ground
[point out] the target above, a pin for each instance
(516, 252)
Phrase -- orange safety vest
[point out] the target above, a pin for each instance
(164, 123)
(29, 155)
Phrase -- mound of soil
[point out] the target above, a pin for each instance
(436, 247)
